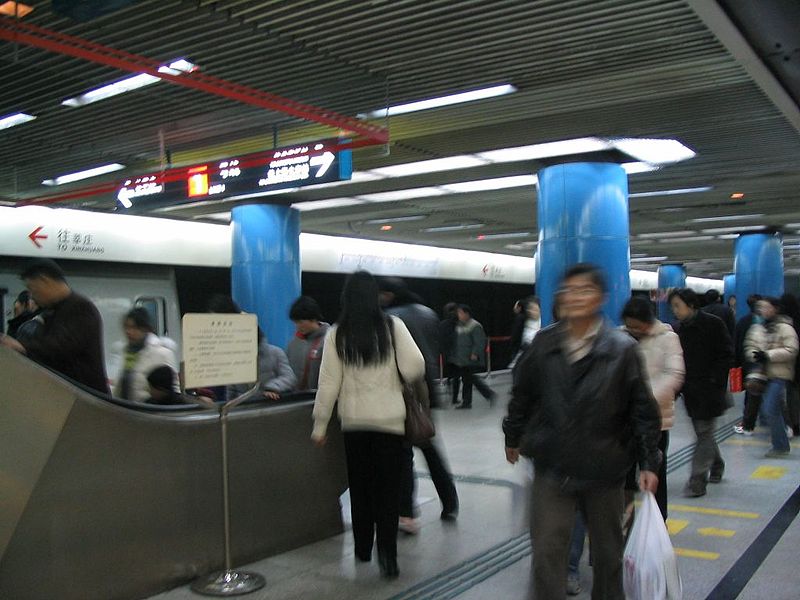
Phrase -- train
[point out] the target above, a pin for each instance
(171, 267)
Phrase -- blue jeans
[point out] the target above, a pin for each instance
(772, 406)
(576, 544)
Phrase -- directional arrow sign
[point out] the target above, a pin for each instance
(34, 236)
(713, 531)
(324, 161)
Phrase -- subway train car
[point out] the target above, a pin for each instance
(173, 267)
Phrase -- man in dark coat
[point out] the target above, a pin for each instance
(714, 306)
(423, 325)
(71, 339)
(582, 410)
(708, 356)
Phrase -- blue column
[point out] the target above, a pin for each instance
(583, 217)
(265, 269)
(729, 286)
(670, 276)
(758, 266)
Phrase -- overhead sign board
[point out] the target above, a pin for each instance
(281, 168)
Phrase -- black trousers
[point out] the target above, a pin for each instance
(374, 462)
(632, 479)
(440, 475)
(467, 375)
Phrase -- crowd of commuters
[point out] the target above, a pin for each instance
(591, 404)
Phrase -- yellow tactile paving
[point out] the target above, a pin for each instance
(751, 442)
(675, 526)
(713, 511)
(715, 532)
(696, 554)
(767, 472)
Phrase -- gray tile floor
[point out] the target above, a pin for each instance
(485, 555)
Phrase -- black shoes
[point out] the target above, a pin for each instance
(388, 567)
(362, 556)
(449, 515)
(462, 405)
(715, 476)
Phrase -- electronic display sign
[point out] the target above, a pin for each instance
(281, 168)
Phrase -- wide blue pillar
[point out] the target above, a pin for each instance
(583, 217)
(758, 266)
(265, 269)
(728, 286)
(670, 276)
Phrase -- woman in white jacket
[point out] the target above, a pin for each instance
(663, 361)
(360, 360)
(144, 352)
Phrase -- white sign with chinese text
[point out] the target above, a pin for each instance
(219, 349)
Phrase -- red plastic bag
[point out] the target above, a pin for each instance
(735, 382)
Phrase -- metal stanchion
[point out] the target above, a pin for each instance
(228, 582)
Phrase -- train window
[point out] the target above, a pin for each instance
(156, 308)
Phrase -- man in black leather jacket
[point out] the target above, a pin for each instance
(582, 410)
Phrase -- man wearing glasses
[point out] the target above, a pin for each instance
(582, 411)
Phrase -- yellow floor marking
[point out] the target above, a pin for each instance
(713, 511)
(696, 554)
(713, 531)
(739, 442)
(768, 473)
(675, 526)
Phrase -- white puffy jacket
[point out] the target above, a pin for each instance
(155, 353)
(663, 360)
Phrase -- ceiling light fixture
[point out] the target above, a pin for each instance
(497, 183)
(664, 234)
(695, 190)
(685, 240)
(450, 163)
(77, 176)
(728, 218)
(396, 195)
(734, 229)
(737, 196)
(396, 219)
(470, 96)
(15, 119)
(546, 150)
(323, 204)
(459, 227)
(128, 84)
(386, 227)
(502, 236)
(644, 259)
(654, 151)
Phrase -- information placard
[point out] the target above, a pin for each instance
(219, 349)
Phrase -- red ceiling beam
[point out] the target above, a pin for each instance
(53, 41)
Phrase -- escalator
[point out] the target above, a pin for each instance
(104, 499)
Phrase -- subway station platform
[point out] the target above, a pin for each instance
(738, 541)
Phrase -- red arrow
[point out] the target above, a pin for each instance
(35, 237)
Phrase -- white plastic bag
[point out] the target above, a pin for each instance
(650, 570)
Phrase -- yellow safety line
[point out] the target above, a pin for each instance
(696, 554)
(713, 511)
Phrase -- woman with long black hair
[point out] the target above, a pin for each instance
(361, 357)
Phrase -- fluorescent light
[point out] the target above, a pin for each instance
(220, 216)
(128, 84)
(728, 236)
(70, 177)
(546, 150)
(322, 204)
(654, 151)
(446, 228)
(396, 219)
(497, 183)
(683, 240)
(662, 234)
(16, 10)
(396, 195)
(729, 218)
(501, 236)
(15, 119)
(632, 168)
(647, 259)
(734, 229)
(480, 94)
(695, 190)
(450, 163)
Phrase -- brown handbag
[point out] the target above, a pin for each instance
(419, 427)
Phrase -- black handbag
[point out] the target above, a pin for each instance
(419, 427)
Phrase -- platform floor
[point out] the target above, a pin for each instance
(741, 540)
